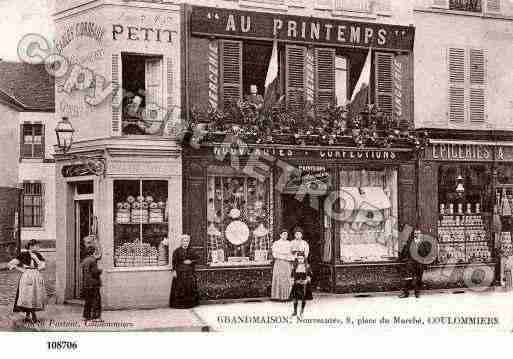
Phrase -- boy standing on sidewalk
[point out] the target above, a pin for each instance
(91, 285)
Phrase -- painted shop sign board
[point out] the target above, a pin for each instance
(265, 26)
(470, 152)
(351, 154)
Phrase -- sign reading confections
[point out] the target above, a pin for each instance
(266, 26)
(289, 152)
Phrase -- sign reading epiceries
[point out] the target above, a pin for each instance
(211, 21)
(453, 151)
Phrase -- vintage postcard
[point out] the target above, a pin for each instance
(256, 166)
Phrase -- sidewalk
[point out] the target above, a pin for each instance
(69, 318)
(434, 312)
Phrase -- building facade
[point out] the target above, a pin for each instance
(462, 97)
(27, 150)
(121, 178)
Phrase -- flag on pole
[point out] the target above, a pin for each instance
(271, 79)
(361, 93)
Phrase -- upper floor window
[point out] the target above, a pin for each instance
(32, 204)
(32, 140)
(142, 83)
(467, 85)
(475, 6)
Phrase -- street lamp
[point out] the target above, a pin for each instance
(64, 132)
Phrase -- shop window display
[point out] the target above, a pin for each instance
(238, 216)
(368, 208)
(503, 210)
(140, 223)
(465, 206)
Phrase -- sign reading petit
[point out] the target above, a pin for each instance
(209, 21)
(139, 33)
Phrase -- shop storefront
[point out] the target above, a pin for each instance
(273, 148)
(350, 202)
(121, 177)
(465, 186)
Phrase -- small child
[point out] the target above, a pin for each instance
(91, 284)
(301, 287)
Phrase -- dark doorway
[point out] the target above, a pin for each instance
(83, 227)
(307, 214)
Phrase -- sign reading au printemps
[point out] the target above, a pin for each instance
(225, 22)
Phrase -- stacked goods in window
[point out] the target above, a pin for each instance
(139, 210)
(163, 253)
(135, 255)
(156, 210)
(123, 212)
(462, 234)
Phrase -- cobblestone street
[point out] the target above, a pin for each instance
(9, 283)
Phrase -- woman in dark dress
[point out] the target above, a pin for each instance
(31, 292)
(301, 287)
(184, 293)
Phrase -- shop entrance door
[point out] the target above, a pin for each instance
(83, 227)
(308, 214)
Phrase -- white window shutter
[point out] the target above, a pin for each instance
(456, 63)
(440, 4)
(169, 86)
(153, 89)
(477, 77)
(116, 86)
(383, 6)
(493, 6)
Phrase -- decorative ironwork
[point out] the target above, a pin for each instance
(87, 166)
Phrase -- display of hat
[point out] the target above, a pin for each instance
(140, 198)
(234, 213)
(130, 199)
(154, 205)
(149, 199)
(161, 204)
(119, 205)
(260, 231)
(213, 231)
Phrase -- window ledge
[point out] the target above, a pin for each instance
(262, 5)
(33, 229)
(139, 269)
(355, 14)
(485, 15)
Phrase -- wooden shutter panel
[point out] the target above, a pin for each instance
(25, 148)
(169, 85)
(116, 107)
(477, 95)
(231, 71)
(456, 60)
(295, 76)
(325, 77)
(153, 87)
(493, 6)
(383, 81)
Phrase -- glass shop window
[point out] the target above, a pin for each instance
(238, 218)
(465, 208)
(140, 223)
(368, 200)
(142, 81)
(503, 223)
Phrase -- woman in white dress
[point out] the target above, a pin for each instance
(298, 244)
(282, 282)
